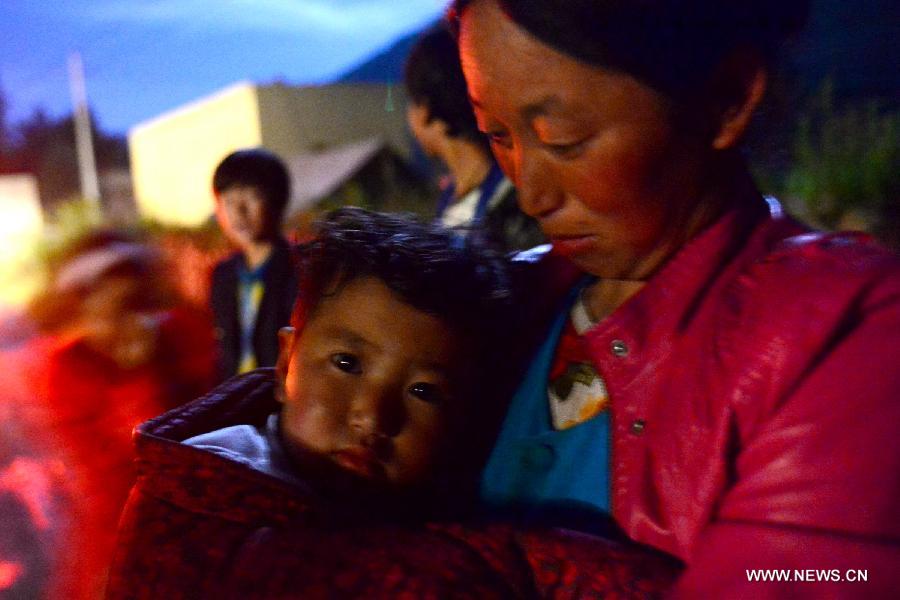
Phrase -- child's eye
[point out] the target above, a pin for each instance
(427, 392)
(347, 363)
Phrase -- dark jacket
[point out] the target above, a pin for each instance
(497, 217)
(274, 309)
(755, 396)
(507, 226)
(198, 525)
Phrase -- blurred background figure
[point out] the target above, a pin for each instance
(253, 290)
(116, 346)
(476, 194)
(32, 493)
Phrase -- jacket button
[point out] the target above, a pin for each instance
(619, 348)
(638, 426)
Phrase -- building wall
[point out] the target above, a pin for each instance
(297, 120)
(20, 230)
(173, 156)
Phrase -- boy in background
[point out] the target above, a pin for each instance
(253, 290)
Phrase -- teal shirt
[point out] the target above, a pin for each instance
(541, 471)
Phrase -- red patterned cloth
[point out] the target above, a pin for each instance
(200, 525)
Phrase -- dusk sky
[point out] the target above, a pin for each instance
(144, 57)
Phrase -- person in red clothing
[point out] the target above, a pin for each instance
(116, 348)
(719, 378)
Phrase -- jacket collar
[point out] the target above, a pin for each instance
(203, 482)
(241, 400)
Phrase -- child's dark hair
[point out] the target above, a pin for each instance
(464, 283)
(672, 45)
(260, 169)
(434, 79)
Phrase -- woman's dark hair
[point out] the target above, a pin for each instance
(434, 79)
(260, 169)
(462, 282)
(672, 45)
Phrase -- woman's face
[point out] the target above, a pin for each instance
(593, 152)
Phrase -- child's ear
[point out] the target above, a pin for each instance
(286, 338)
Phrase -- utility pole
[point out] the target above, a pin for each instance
(84, 144)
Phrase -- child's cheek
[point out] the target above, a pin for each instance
(320, 411)
(417, 448)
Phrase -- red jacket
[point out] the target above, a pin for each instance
(198, 525)
(755, 400)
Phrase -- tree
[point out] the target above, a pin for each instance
(45, 147)
(5, 165)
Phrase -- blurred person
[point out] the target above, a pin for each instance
(253, 290)
(33, 494)
(16, 327)
(477, 196)
(116, 347)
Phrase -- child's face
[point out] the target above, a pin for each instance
(369, 383)
(243, 215)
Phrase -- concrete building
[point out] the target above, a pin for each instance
(20, 229)
(174, 155)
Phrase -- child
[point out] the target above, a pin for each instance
(379, 369)
(316, 479)
(254, 289)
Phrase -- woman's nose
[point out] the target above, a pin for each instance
(538, 196)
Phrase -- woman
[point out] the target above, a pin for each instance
(721, 380)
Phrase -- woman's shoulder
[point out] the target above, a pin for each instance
(830, 270)
(807, 283)
(833, 254)
(801, 306)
